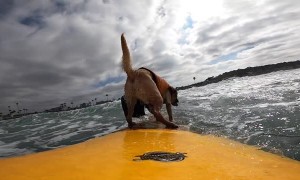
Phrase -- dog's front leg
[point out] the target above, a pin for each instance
(169, 110)
(160, 118)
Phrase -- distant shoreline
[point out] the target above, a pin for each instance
(249, 71)
(55, 109)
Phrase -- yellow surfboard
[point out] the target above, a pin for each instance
(112, 157)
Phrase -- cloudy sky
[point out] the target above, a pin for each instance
(56, 51)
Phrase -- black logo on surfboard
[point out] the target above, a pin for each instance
(161, 156)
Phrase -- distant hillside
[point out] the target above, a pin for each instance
(250, 71)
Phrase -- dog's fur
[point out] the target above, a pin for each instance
(144, 85)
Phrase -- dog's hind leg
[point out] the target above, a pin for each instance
(130, 105)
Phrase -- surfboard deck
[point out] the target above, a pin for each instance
(111, 157)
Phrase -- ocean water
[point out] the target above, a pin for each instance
(263, 111)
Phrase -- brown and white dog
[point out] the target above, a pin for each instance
(145, 86)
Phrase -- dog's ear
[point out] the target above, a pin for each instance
(174, 99)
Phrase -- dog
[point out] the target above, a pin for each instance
(143, 85)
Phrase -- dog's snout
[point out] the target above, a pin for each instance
(175, 103)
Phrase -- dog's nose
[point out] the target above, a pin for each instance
(175, 103)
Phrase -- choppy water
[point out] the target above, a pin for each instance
(261, 110)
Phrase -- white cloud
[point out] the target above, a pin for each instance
(53, 51)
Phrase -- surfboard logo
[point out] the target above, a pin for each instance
(161, 156)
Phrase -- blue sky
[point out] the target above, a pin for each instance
(229, 57)
(189, 24)
(55, 51)
(109, 80)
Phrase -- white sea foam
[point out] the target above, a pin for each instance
(62, 136)
(97, 117)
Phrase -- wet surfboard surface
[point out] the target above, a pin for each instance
(114, 157)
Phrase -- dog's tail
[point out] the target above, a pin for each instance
(126, 60)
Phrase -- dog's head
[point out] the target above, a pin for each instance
(174, 99)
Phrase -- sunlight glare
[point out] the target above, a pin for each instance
(201, 10)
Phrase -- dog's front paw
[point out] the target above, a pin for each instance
(172, 126)
(131, 125)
